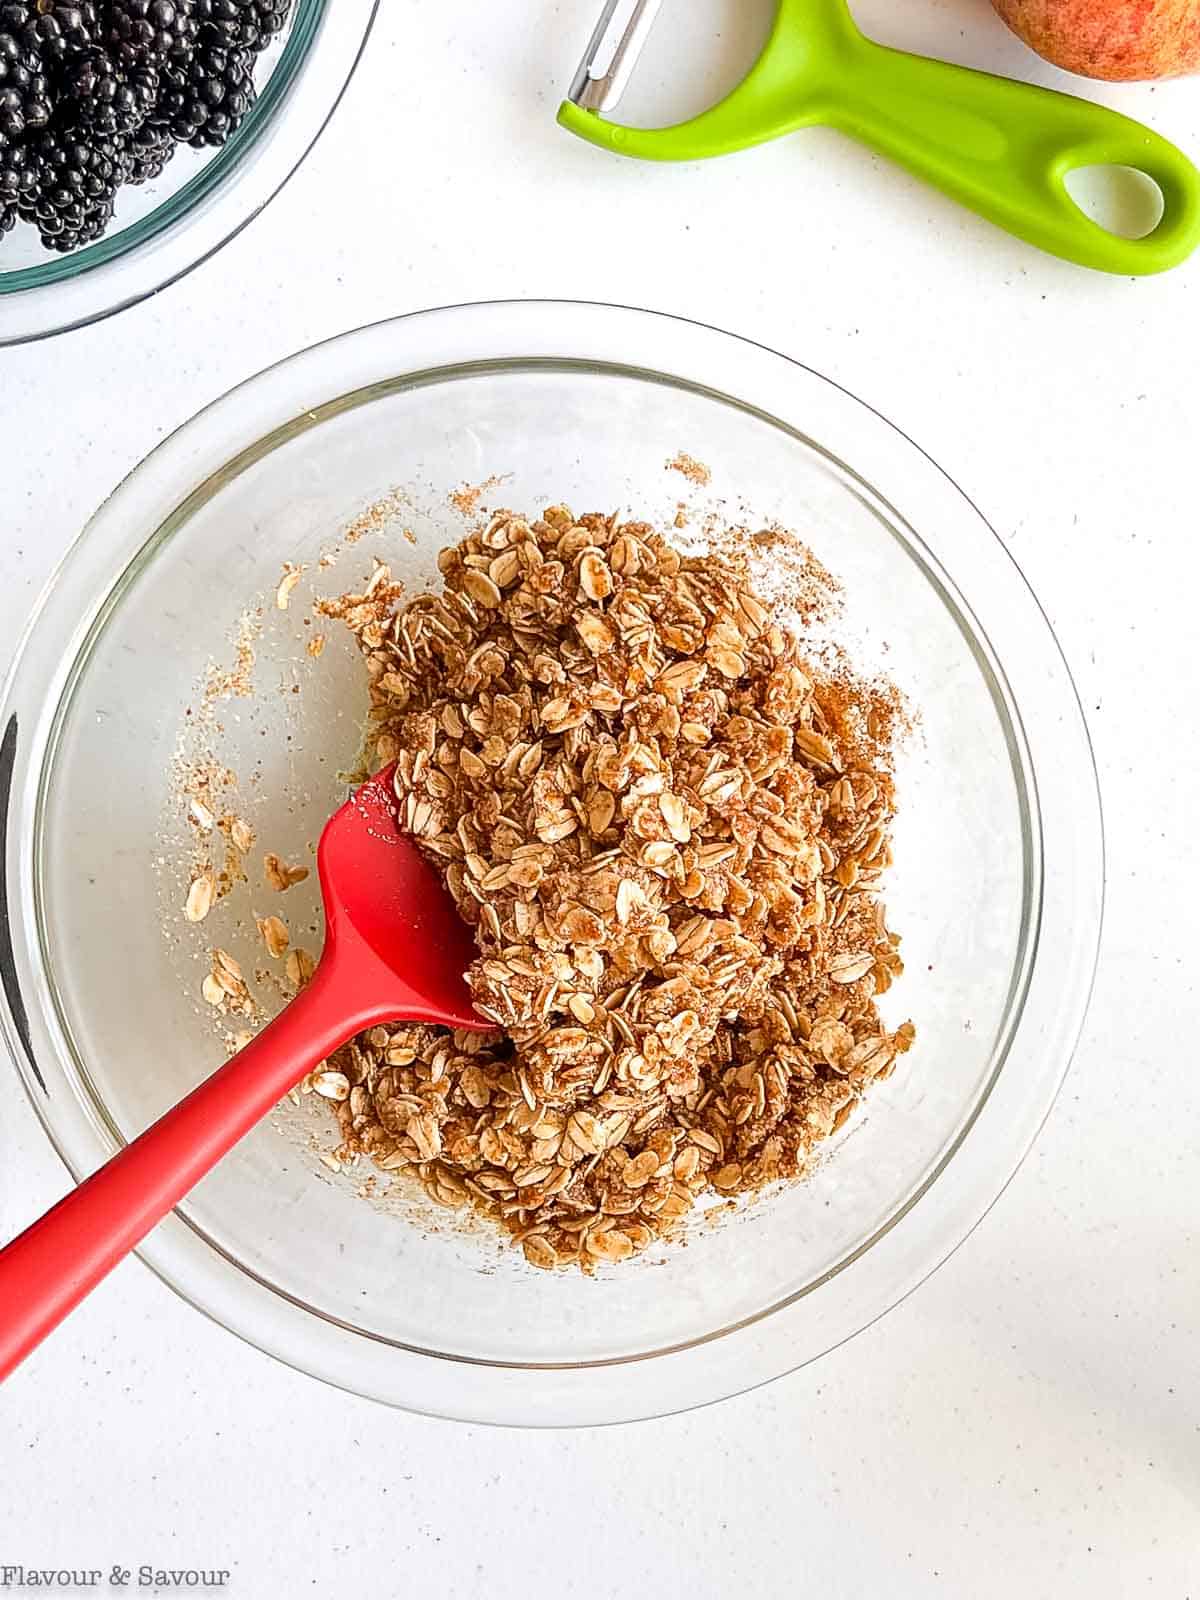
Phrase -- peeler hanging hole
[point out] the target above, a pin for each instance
(1122, 200)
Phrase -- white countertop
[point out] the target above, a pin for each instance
(1027, 1422)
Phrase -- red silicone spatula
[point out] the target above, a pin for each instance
(395, 950)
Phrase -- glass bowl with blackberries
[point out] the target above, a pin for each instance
(137, 136)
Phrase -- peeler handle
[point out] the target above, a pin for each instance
(1004, 149)
(1001, 148)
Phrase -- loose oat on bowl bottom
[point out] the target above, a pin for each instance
(667, 824)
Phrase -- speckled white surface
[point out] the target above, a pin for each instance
(1027, 1422)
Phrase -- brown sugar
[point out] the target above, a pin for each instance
(694, 471)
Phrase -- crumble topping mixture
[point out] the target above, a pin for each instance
(667, 827)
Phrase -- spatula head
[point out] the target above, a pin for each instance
(389, 918)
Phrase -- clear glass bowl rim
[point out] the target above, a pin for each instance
(1069, 894)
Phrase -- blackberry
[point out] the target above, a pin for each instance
(16, 172)
(99, 93)
(15, 175)
(24, 88)
(103, 98)
(56, 30)
(245, 24)
(147, 152)
(153, 31)
(75, 187)
(205, 101)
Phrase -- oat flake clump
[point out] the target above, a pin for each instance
(667, 829)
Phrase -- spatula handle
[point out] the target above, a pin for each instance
(48, 1269)
(1004, 149)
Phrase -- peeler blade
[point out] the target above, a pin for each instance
(608, 63)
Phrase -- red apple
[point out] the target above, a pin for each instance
(1118, 39)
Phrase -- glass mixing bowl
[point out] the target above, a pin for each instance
(204, 197)
(997, 886)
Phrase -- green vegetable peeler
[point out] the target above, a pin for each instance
(1002, 148)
